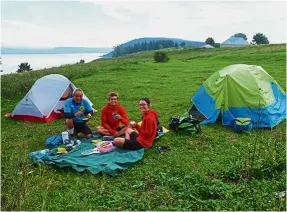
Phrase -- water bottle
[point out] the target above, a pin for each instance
(39, 154)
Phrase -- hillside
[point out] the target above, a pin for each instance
(216, 170)
(148, 39)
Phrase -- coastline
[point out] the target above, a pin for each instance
(10, 62)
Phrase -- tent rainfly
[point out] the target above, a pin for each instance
(241, 91)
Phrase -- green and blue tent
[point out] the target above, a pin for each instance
(241, 91)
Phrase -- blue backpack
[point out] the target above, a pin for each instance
(54, 141)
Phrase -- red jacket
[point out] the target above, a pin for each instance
(112, 124)
(148, 129)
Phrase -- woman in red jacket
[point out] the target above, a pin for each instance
(146, 132)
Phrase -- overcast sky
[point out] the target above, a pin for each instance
(106, 24)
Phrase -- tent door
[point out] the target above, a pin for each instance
(196, 113)
(59, 108)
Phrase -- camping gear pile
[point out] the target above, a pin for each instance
(103, 144)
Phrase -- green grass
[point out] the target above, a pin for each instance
(216, 170)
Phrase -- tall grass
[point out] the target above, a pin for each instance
(18, 84)
(215, 170)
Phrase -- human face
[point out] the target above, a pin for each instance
(113, 100)
(144, 107)
(78, 96)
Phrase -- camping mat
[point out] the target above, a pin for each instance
(110, 162)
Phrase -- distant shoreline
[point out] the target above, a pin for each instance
(59, 53)
(10, 62)
(55, 53)
(56, 50)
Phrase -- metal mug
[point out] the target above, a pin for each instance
(114, 115)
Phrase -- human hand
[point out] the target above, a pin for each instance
(119, 117)
(78, 113)
(116, 134)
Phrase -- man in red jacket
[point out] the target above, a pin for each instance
(146, 131)
(113, 115)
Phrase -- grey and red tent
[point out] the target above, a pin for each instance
(45, 100)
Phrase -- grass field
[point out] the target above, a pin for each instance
(216, 170)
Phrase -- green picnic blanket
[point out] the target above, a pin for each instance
(110, 162)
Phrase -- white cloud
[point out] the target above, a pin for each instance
(111, 9)
(119, 22)
(19, 33)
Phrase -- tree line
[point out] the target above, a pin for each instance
(146, 46)
(119, 50)
(258, 38)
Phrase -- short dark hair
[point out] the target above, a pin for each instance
(78, 89)
(111, 94)
(146, 100)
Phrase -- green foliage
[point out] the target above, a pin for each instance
(217, 45)
(160, 57)
(242, 35)
(117, 51)
(82, 61)
(182, 44)
(260, 38)
(144, 46)
(210, 41)
(215, 170)
(23, 67)
(176, 45)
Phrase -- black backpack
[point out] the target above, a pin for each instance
(185, 124)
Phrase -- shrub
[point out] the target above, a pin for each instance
(260, 38)
(23, 67)
(160, 57)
